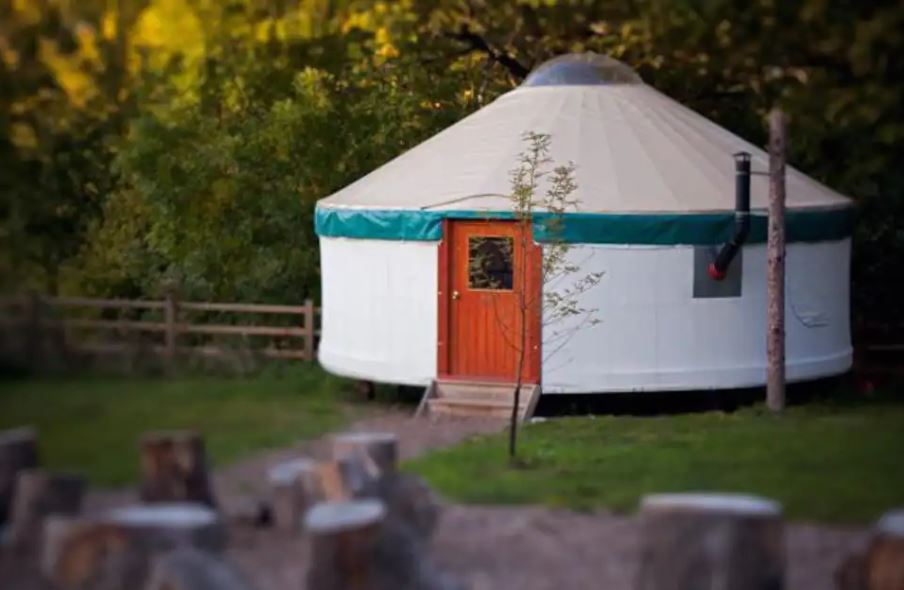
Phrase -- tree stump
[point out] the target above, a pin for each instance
(885, 556)
(18, 451)
(190, 569)
(881, 567)
(691, 541)
(341, 480)
(354, 546)
(114, 551)
(174, 468)
(409, 502)
(408, 499)
(40, 494)
(343, 537)
(294, 487)
(378, 452)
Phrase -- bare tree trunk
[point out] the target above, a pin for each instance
(775, 280)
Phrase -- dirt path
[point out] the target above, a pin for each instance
(502, 547)
(488, 547)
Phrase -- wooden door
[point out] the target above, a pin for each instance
(484, 268)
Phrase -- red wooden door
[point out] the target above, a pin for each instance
(485, 266)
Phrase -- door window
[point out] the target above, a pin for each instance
(490, 265)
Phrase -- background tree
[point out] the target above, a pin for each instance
(89, 90)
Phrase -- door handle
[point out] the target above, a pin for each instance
(455, 295)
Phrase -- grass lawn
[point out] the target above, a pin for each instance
(837, 461)
(92, 425)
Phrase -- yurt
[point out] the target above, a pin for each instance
(663, 195)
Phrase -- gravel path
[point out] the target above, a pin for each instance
(488, 547)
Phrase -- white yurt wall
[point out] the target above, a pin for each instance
(653, 335)
(379, 309)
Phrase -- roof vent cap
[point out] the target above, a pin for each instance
(582, 69)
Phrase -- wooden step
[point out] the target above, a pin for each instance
(474, 407)
(475, 390)
(474, 398)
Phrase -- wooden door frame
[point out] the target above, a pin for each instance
(534, 336)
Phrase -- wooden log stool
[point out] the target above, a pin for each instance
(378, 452)
(885, 556)
(115, 550)
(881, 566)
(188, 568)
(294, 487)
(343, 538)
(18, 451)
(174, 468)
(691, 541)
(38, 495)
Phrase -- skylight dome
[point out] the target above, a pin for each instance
(582, 69)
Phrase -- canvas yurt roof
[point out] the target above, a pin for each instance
(636, 151)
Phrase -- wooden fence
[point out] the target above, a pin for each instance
(101, 326)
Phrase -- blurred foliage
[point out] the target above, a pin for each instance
(151, 143)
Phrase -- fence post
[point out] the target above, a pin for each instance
(34, 330)
(171, 313)
(309, 330)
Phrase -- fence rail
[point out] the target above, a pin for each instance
(166, 317)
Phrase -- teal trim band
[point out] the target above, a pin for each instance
(587, 228)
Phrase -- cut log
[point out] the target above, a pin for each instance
(294, 487)
(341, 480)
(409, 502)
(354, 546)
(114, 551)
(691, 541)
(881, 567)
(885, 556)
(174, 468)
(249, 512)
(18, 451)
(408, 499)
(343, 537)
(40, 494)
(190, 569)
(378, 452)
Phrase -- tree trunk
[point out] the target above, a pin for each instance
(523, 304)
(775, 253)
(378, 452)
(294, 487)
(343, 538)
(691, 541)
(114, 551)
(40, 494)
(18, 451)
(174, 468)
